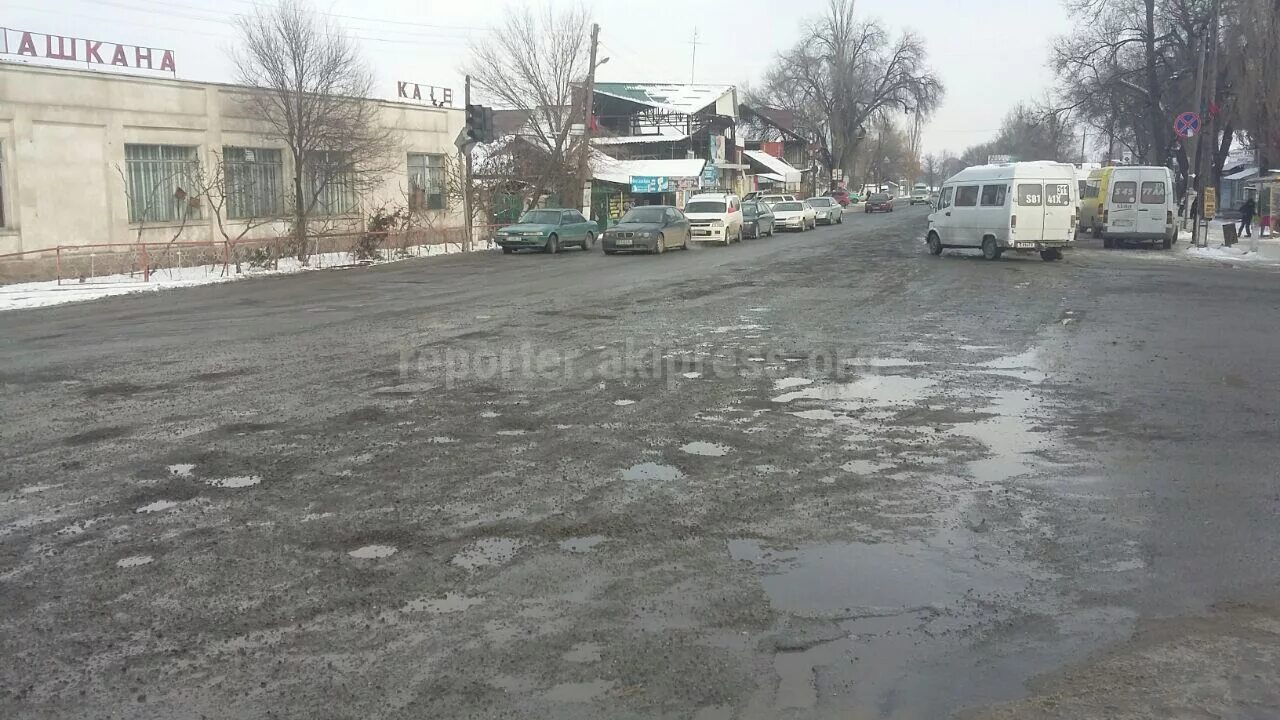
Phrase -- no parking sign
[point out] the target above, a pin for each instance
(1187, 124)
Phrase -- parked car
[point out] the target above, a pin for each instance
(841, 196)
(715, 217)
(648, 228)
(794, 215)
(878, 202)
(1025, 207)
(772, 200)
(826, 210)
(548, 230)
(752, 195)
(757, 219)
(933, 198)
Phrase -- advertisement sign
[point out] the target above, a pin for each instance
(999, 159)
(710, 176)
(81, 50)
(432, 94)
(1210, 202)
(650, 183)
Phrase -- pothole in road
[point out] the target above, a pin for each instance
(787, 383)
(238, 481)
(511, 433)
(705, 448)
(652, 471)
(157, 506)
(134, 561)
(582, 544)
(488, 551)
(624, 403)
(373, 552)
(873, 390)
(489, 414)
(181, 470)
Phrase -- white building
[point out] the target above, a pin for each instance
(82, 151)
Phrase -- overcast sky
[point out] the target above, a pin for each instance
(990, 54)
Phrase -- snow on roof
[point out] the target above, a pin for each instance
(685, 99)
(777, 166)
(1243, 174)
(772, 176)
(610, 169)
(665, 134)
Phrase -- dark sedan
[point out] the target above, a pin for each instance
(650, 229)
(879, 202)
(757, 219)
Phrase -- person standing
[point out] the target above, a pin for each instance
(1247, 211)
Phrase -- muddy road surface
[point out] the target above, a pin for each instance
(822, 475)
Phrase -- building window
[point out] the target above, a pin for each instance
(254, 182)
(993, 195)
(426, 182)
(161, 183)
(331, 181)
(967, 196)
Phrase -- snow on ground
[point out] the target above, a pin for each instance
(42, 294)
(1265, 251)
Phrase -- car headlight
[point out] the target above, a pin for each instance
(717, 223)
(645, 234)
(533, 234)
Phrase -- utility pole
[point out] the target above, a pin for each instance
(693, 64)
(1195, 141)
(1204, 174)
(1084, 140)
(588, 113)
(466, 178)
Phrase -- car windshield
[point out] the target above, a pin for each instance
(879, 197)
(751, 209)
(821, 202)
(541, 217)
(705, 206)
(644, 215)
(785, 206)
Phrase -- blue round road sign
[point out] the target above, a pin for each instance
(1187, 124)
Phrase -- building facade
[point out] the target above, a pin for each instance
(89, 158)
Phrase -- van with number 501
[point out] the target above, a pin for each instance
(1023, 207)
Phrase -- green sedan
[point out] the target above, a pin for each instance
(548, 230)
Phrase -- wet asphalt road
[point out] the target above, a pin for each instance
(822, 475)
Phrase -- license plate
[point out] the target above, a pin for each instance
(623, 241)
(1123, 223)
(702, 233)
(1024, 245)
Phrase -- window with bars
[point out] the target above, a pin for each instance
(426, 182)
(254, 180)
(331, 181)
(161, 182)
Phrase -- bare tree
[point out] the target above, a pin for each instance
(844, 74)
(313, 89)
(531, 63)
(216, 192)
(1257, 67)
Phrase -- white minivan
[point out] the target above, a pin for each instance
(1024, 207)
(715, 217)
(1139, 206)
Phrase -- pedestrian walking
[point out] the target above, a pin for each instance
(1247, 211)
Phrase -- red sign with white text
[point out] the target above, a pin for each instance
(89, 52)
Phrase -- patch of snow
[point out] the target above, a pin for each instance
(157, 506)
(239, 481)
(181, 470)
(373, 552)
(32, 489)
(624, 403)
(790, 382)
(133, 561)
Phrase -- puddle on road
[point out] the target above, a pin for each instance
(1023, 366)
(864, 467)
(1009, 437)
(579, 692)
(488, 551)
(787, 383)
(373, 552)
(450, 603)
(489, 414)
(624, 403)
(885, 362)
(706, 448)
(32, 489)
(181, 470)
(871, 390)
(134, 561)
(441, 440)
(238, 481)
(652, 471)
(691, 375)
(582, 544)
(511, 433)
(584, 652)
(157, 506)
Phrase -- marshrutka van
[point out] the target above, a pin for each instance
(1023, 207)
(1131, 203)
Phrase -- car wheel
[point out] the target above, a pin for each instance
(589, 241)
(660, 245)
(610, 252)
(1167, 243)
(935, 244)
(990, 250)
(840, 220)
(1049, 255)
(508, 251)
(1097, 233)
(553, 244)
(685, 245)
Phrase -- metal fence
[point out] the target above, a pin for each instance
(196, 262)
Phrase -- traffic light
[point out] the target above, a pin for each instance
(480, 124)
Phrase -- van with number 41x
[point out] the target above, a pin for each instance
(1023, 207)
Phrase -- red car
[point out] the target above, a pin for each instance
(841, 196)
(879, 202)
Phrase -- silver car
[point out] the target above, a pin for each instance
(827, 211)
